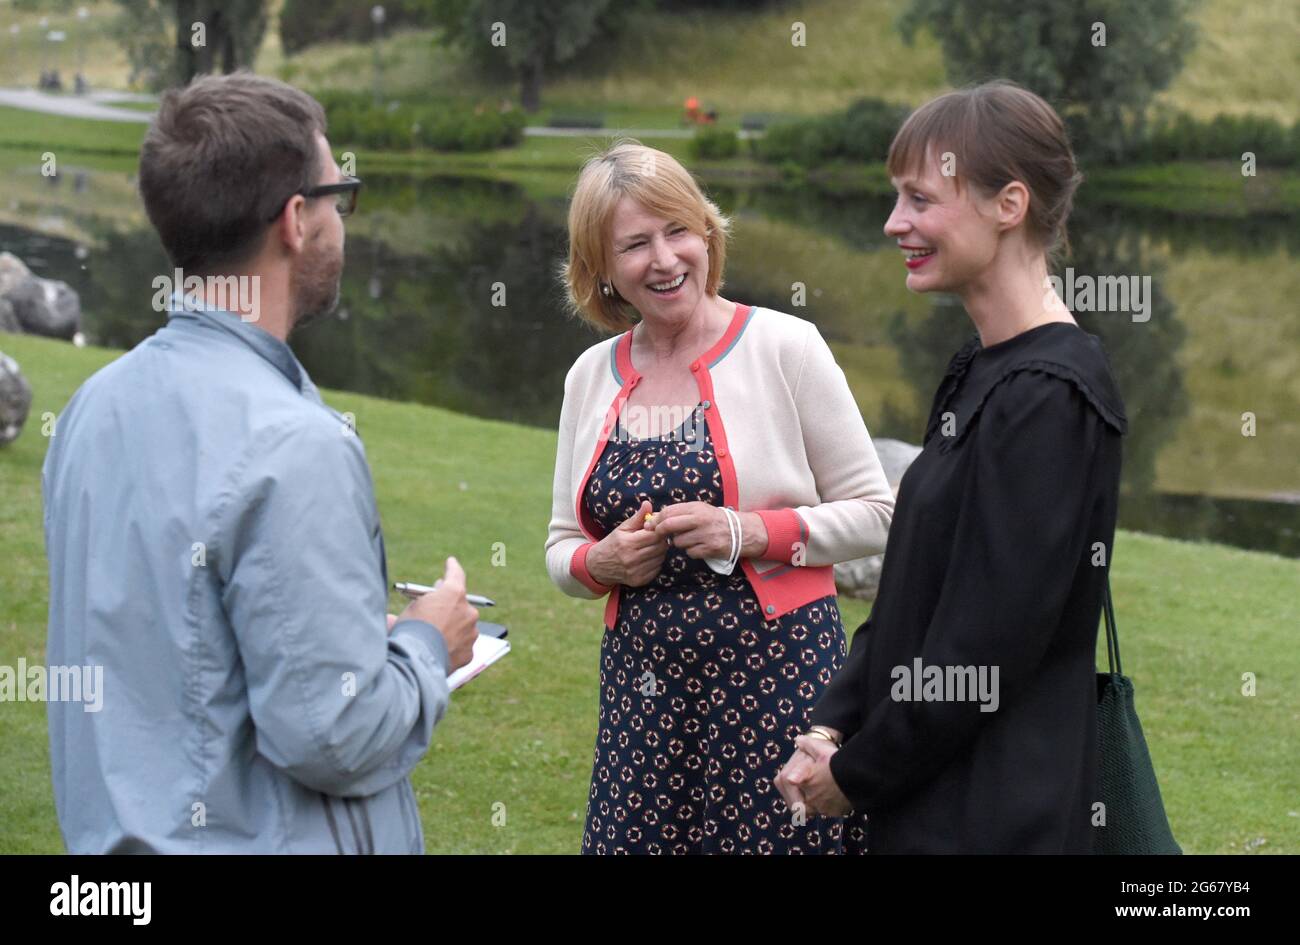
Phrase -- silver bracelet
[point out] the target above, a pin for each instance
(733, 525)
(728, 565)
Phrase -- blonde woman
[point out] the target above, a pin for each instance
(712, 466)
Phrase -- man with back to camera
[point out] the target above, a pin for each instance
(213, 537)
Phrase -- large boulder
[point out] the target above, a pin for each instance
(895, 457)
(860, 578)
(15, 399)
(13, 273)
(46, 307)
(8, 317)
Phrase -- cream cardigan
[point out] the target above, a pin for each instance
(793, 448)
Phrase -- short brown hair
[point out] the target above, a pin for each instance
(999, 132)
(221, 157)
(658, 182)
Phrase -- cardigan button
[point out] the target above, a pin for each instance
(695, 365)
(707, 404)
(722, 453)
(771, 609)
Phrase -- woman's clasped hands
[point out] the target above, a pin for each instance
(631, 554)
(806, 782)
(634, 552)
(701, 530)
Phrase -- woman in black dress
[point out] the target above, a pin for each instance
(964, 719)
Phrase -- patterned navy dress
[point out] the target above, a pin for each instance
(700, 697)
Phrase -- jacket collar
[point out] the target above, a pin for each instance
(190, 309)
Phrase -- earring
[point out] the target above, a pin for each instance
(606, 290)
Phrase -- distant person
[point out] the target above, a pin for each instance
(693, 114)
(965, 718)
(213, 538)
(712, 469)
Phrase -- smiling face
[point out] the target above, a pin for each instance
(658, 265)
(948, 236)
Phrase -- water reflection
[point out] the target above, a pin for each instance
(450, 297)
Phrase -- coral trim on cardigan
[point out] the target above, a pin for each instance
(787, 532)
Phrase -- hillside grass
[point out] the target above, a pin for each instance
(1245, 61)
(1193, 619)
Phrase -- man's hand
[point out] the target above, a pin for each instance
(448, 610)
(631, 554)
(701, 530)
(821, 794)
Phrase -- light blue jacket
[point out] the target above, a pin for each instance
(214, 545)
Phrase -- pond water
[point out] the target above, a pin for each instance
(1216, 348)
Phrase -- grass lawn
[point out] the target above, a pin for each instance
(1193, 619)
(36, 132)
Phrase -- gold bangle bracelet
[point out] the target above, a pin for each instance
(821, 731)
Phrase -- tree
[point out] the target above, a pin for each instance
(169, 42)
(525, 36)
(1099, 63)
(305, 23)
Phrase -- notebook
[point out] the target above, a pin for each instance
(487, 650)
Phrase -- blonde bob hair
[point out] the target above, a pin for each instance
(663, 187)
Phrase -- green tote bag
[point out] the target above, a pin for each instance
(1136, 822)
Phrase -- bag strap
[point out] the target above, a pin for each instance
(1112, 635)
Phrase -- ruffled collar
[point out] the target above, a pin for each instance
(1060, 349)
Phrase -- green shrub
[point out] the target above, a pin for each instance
(356, 120)
(714, 144)
(1225, 138)
(861, 132)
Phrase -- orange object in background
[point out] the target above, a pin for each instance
(693, 115)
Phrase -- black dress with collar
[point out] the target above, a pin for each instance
(994, 573)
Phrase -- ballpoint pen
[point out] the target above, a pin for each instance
(417, 590)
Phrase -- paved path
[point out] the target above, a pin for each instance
(548, 132)
(73, 106)
(99, 105)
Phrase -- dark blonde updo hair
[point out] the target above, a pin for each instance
(659, 183)
(998, 132)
